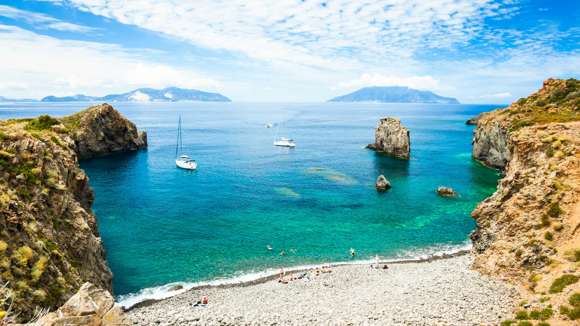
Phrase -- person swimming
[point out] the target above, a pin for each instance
(352, 252)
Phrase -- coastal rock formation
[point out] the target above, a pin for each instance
(101, 130)
(49, 241)
(528, 231)
(392, 139)
(446, 192)
(89, 306)
(473, 121)
(382, 184)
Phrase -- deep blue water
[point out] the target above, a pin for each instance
(161, 224)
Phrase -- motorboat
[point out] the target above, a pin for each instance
(284, 142)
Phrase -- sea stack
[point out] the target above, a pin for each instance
(392, 139)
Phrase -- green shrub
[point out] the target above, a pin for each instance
(522, 315)
(548, 236)
(507, 323)
(562, 282)
(543, 323)
(554, 210)
(525, 323)
(572, 313)
(543, 314)
(575, 299)
(41, 123)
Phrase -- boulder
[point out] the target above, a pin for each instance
(382, 184)
(392, 139)
(89, 306)
(446, 192)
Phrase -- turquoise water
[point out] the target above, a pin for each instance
(161, 224)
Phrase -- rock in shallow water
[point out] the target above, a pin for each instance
(382, 184)
(446, 192)
(392, 139)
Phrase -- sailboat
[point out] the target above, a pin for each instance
(283, 141)
(181, 160)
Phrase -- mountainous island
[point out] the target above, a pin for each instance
(394, 94)
(168, 94)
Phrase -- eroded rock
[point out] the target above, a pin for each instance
(382, 184)
(392, 139)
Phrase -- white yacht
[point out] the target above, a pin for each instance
(284, 142)
(182, 161)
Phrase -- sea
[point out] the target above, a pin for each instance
(166, 229)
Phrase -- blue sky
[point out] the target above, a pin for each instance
(480, 51)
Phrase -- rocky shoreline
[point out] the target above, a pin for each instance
(433, 292)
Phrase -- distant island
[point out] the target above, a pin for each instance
(394, 94)
(168, 94)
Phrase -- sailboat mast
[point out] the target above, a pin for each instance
(178, 137)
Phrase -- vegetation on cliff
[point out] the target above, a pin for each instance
(49, 243)
(528, 230)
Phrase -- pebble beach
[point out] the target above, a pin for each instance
(438, 292)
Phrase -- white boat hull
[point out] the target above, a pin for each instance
(284, 144)
(185, 164)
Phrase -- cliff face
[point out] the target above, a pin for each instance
(104, 131)
(528, 230)
(49, 242)
(392, 139)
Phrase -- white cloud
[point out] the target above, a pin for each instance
(35, 65)
(331, 35)
(418, 82)
(42, 21)
(501, 95)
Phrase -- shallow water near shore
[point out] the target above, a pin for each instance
(163, 225)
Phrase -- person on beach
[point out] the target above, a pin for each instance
(281, 276)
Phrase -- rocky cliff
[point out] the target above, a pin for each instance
(528, 230)
(392, 139)
(102, 130)
(49, 242)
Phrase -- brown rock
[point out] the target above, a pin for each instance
(392, 139)
(89, 306)
(382, 184)
(446, 192)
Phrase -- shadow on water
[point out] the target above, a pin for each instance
(391, 166)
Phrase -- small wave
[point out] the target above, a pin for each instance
(128, 301)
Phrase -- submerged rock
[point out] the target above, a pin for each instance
(392, 139)
(382, 184)
(446, 192)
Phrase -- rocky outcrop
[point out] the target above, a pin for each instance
(473, 121)
(102, 130)
(49, 241)
(89, 306)
(490, 143)
(528, 231)
(446, 192)
(392, 139)
(382, 184)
